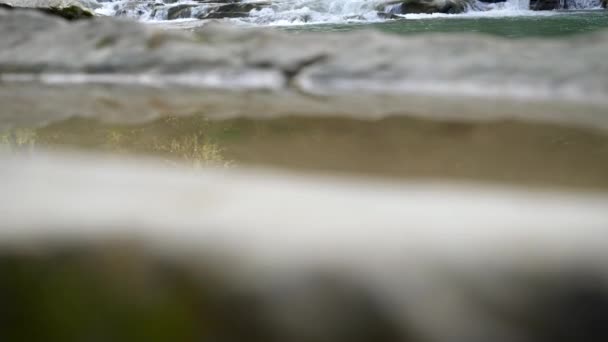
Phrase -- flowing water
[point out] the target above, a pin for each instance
(529, 24)
(512, 18)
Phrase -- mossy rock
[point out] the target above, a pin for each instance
(232, 10)
(180, 11)
(114, 293)
(71, 12)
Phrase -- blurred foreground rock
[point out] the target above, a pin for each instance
(52, 70)
(128, 249)
(94, 248)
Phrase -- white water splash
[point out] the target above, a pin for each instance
(302, 12)
(583, 4)
(317, 11)
(521, 4)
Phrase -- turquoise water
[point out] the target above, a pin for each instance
(536, 24)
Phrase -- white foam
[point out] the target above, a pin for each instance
(311, 12)
(496, 12)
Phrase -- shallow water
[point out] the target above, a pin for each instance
(552, 24)
(512, 18)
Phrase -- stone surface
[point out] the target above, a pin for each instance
(214, 263)
(544, 5)
(70, 10)
(232, 10)
(441, 6)
(52, 3)
(180, 11)
(470, 77)
(249, 255)
(425, 6)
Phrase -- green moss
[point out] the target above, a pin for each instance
(187, 141)
(530, 154)
(70, 12)
(18, 140)
(108, 293)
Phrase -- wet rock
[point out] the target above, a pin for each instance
(217, 1)
(180, 11)
(385, 15)
(425, 6)
(204, 9)
(70, 10)
(434, 6)
(52, 3)
(544, 5)
(232, 10)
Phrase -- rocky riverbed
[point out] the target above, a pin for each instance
(258, 73)
(227, 183)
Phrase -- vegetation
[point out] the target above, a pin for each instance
(18, 140)
(174, 140)
(113, 291)
(71, 12)
(507, 152)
